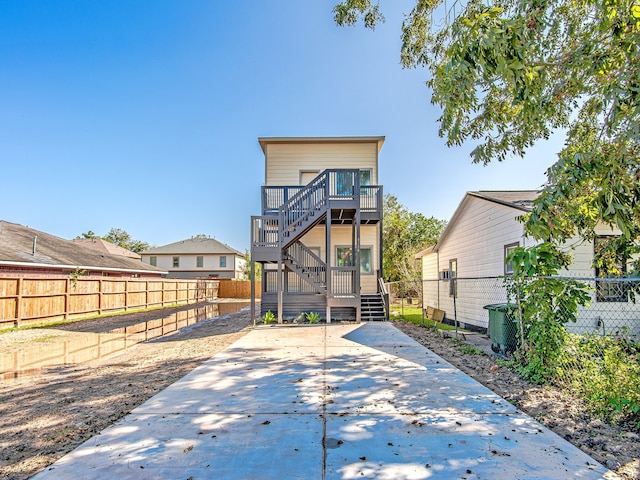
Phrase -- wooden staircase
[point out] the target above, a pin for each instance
(372, 308)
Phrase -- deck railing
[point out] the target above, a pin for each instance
(308, 262)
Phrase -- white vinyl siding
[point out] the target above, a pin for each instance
(476, 240)
(285, 161)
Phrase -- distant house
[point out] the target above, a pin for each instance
(25, 251)
(106, 247)
(197, 257)
(474, 246)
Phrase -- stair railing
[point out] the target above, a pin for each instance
(307, 264)
(296, 211)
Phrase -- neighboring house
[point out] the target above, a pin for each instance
(28, 252)
(474, 246)
(319, 238)
(106, 247)
(197, 257)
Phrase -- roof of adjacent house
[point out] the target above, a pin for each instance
(195, 246)
(24, 246)
(518, 199)
(379, 140)
(106, 247)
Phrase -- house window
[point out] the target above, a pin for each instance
(345, 181)
(453, 274)
(508, 268)
(345, 258)
(223, 261)
(199, 261)
(153, 261)
(176, 262)
(610, 291)
(307, 175)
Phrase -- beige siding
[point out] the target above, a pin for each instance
(285, 161)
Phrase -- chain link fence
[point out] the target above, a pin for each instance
(597, 355)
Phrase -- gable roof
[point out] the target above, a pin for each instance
(23, 246)
(193, 246)
(521, 200)
(264, 141)
(106, 247)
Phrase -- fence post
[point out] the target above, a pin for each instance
(19, 302)
(66, 298)
(100, 294)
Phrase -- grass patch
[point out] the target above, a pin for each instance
(414, 315)
(466, 348)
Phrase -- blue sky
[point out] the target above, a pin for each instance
(144, 115)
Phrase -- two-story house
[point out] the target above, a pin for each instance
(197, 257)
(319, 237)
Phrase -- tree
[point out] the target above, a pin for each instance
(246, 272)
(508, 73)
(404, 234)
(119, 237)
(88, 235)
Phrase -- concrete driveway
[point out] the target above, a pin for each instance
(326, 402)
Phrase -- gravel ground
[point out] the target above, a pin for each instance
(45, 416)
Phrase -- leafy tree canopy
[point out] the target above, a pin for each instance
(404, 234)
(119, 237)
(508, 73)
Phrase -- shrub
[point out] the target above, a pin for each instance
(269, 317)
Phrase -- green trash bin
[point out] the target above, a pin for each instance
(503, 328)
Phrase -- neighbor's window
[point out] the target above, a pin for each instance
(223, 261)
(508, 268)
(153, 261)
(176, 262)
(610, 291)
(453, 273)
(345, 258)
(199, 261)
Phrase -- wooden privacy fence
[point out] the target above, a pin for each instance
(237, 288)
(32, 300)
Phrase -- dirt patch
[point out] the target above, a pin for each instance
(616, 447)
(46, 416)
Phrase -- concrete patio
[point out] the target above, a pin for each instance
(326, 402)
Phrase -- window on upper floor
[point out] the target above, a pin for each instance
(307, 175)
(153, 261)
(365, 177)
(223, 261)
(199, 261)
(176, 262)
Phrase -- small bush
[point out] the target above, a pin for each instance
(313, 317)
(269, 317)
